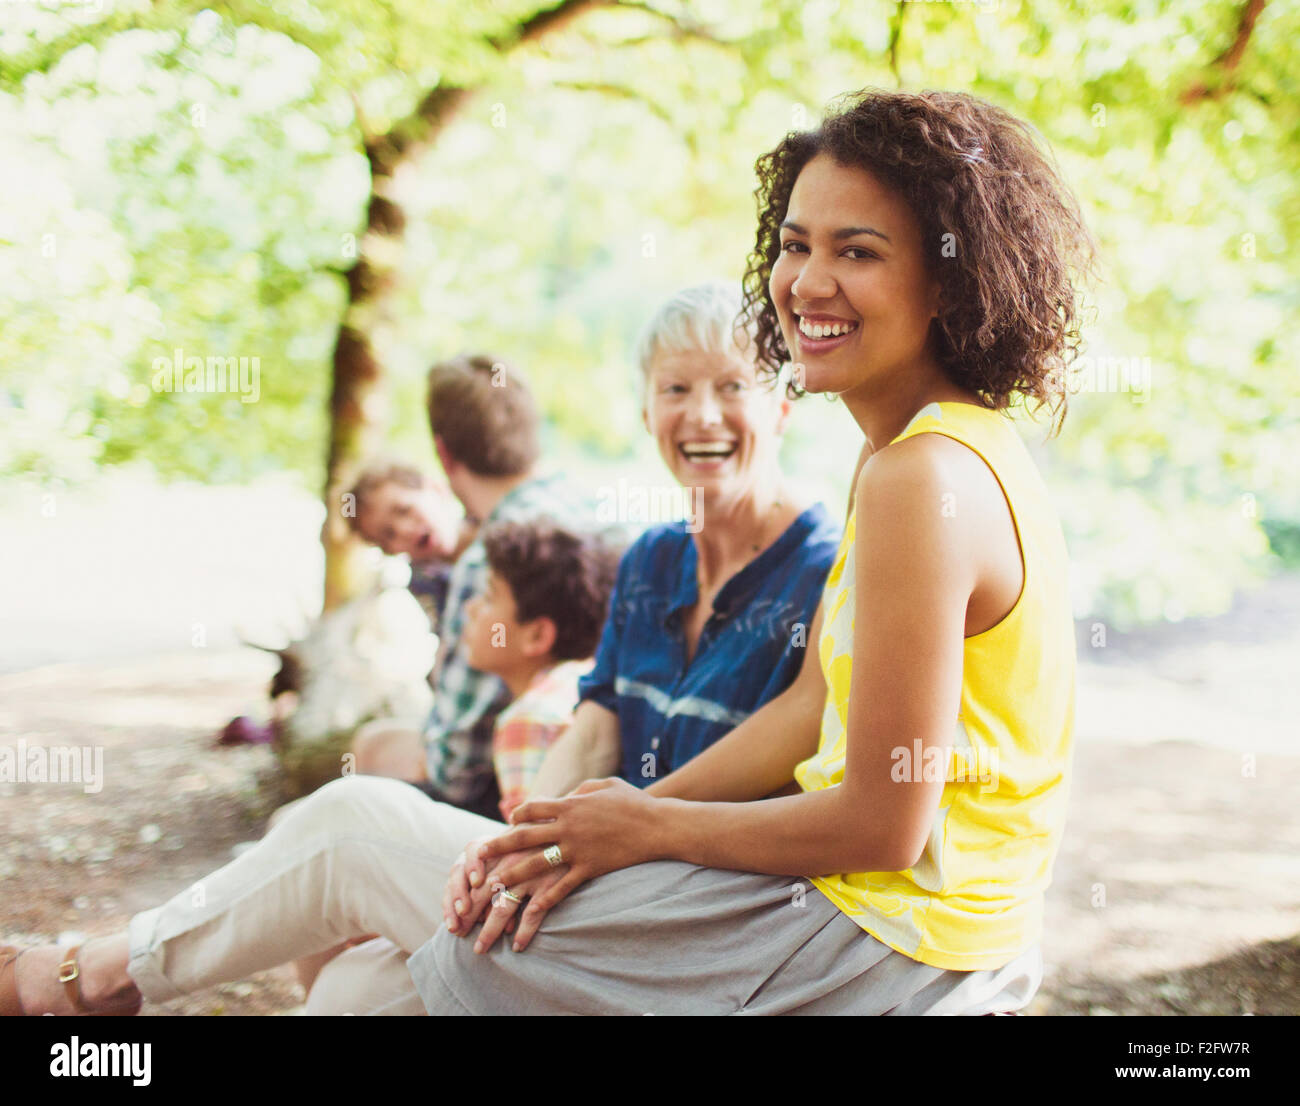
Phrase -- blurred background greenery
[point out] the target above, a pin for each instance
(529, 178)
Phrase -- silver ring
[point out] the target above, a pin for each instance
(506, 893)
(553, 856)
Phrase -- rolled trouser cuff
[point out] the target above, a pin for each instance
(144, 963)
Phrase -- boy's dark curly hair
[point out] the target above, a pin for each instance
(1010, 314)
(557, 574)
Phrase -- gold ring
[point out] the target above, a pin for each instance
(506, 893)
(553, 856)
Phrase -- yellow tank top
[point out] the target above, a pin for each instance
(975, 898)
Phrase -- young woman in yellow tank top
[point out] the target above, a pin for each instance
(916, 257)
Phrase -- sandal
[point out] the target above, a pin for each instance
(69, 976)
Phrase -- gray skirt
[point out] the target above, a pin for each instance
(673, 938)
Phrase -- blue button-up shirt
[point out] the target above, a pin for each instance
(749, 651)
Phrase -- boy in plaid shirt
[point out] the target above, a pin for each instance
(536, 624)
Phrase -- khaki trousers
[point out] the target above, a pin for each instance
(364, 854)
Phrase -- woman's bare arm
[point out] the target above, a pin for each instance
(590, 749)
(915, 573)
(759, 756)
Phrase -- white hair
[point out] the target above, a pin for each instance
(702, 317)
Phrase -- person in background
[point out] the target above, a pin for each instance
(486, 432)
(401, 510)
(536, 625)
(710, 615)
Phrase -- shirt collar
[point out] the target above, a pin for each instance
(518, 492)
(737, 591)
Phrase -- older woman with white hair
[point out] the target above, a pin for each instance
(706, 637)
(709, 617)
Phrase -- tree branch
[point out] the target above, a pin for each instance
(1226, 63)
(548, 21)
(681, 28)
(437, 107)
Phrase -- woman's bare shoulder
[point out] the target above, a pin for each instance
(918, 463)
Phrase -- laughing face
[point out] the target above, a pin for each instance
(850, 285)
(717, 426)
(420, 522)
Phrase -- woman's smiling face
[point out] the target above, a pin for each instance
(717, 426)
(850, 285)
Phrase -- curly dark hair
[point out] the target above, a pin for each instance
(557, 574)
(1010, 309)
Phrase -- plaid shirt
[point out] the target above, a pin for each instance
(530, 725)
(458, 735)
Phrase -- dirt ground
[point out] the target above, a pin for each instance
(1177, 890)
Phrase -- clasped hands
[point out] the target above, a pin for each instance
(599, 827)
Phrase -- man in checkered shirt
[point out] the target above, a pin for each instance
(485, 427)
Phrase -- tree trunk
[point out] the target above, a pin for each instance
(358, 408)
(357, 398)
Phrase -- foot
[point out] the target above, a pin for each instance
(105, 985)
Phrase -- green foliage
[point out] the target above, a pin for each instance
(191, 178)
